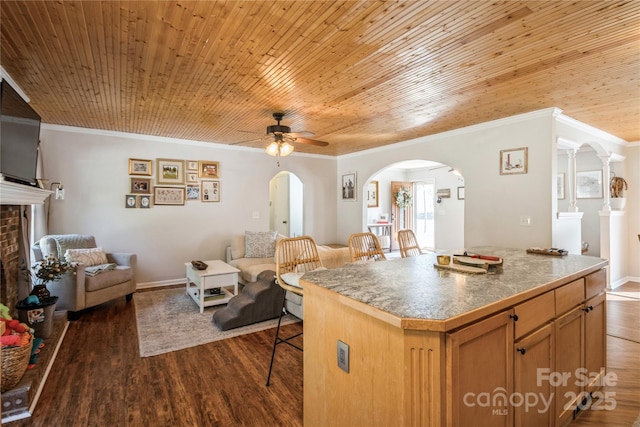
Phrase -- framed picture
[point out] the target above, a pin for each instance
(193, 192)
(192, 165)
(131, 201)
(560, 186)
(140, 185)
(170, 172)
(168, 195)
(208, 169)
(140, 167)
(192, 177)
(372, 194)
(514, 161)
(145, 202)
(349, 186)
(383, 217)
(589, 185)
(460, 193)
(210, 191)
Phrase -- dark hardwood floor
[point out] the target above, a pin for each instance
(99, 379)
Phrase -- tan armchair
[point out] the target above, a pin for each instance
(86, 288)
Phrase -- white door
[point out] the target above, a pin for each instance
(424, 217)
(279, 204)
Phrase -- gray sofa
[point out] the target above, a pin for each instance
(91, 285)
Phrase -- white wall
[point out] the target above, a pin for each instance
(493, 202)
(94, 170)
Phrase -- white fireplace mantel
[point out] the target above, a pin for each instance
(19, 194)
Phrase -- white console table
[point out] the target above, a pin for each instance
(382, 230)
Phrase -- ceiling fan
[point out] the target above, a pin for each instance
(283, 138)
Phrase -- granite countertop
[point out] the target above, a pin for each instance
(412, 288)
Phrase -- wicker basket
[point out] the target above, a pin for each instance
(14, 364)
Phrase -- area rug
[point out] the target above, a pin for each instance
(169, 320)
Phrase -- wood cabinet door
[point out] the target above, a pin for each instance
(595, 341)
(569, 358)
(533, 398)
(479, 370)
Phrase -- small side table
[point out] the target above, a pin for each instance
(213, 286)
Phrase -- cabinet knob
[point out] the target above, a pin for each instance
(514, 317)
(521, 350)
(588, 308)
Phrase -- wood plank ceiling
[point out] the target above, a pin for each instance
(359, 74)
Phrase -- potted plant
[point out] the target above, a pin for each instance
(617, 186)
(37, 309)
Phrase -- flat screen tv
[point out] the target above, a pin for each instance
(19, 137)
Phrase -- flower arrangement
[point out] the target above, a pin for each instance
(403, 198)
(50, 268)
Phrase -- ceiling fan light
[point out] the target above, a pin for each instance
(286, 149)
(273, 148)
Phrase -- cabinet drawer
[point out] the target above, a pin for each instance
(568, 296)
(595, 283)
(228, 279)
(534, 313)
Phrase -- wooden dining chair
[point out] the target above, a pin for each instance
(365, 247)
(408, 243)
(294, 257)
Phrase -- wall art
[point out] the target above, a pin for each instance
(168, 195)
(208, 169)
(349, 186)
(589, 185)
(131, 201)
(514, 161)
(372, 194)
(210, 191)
(170, 171)
(140, 167)
(193, 192)
(140, 185)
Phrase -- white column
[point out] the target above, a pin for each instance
(571, 174)
(606, 170)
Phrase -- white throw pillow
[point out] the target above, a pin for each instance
(259, 244)
(88, 257)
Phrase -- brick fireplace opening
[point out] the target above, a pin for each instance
(10, 255)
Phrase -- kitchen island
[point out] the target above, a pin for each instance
(432, 347)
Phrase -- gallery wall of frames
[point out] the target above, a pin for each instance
(172, 182)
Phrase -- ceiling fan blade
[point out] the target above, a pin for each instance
(312, 142)
(302, 134)
(247, 141)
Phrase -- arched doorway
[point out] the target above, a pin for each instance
(439, 225)
(286, 204)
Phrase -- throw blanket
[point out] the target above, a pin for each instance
(97, 269)
(70, 241)
(333, 257)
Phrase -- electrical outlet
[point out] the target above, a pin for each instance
(256, 215)
(525, 220)
(343, 356)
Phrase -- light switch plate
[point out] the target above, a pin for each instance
(343, 356)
